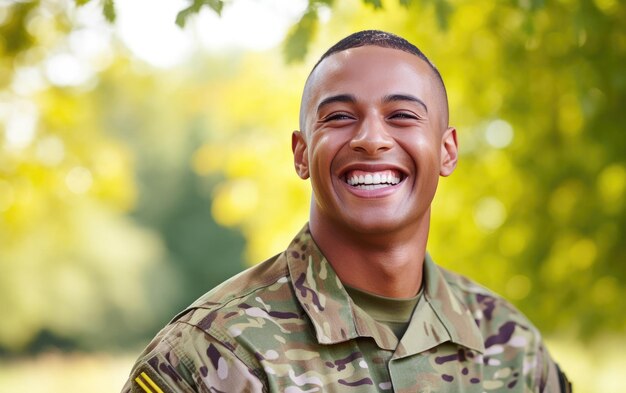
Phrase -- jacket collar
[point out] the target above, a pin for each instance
(439, 316)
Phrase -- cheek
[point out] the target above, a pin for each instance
(322, 151)
(425, 151)
(320, 159)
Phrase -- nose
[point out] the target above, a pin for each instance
(371, 137)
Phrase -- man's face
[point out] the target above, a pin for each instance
(375, 141)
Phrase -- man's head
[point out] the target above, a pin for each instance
(374, 135)
(374, 38)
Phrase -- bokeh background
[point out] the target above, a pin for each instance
(143, 161)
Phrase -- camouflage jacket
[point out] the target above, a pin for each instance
(288, 325)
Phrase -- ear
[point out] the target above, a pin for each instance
(300, 156)
(449, 152)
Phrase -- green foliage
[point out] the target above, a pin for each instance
(90, 230)
(535, 208)
(301, 34)
(298, 39)
(195, 7)
(377, 4)
(143, 188)
(154, 166)
(443, 10)
(16, 37)
(108, 10)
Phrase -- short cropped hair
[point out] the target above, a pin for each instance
(381, 39)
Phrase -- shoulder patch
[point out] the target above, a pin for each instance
(145, 380)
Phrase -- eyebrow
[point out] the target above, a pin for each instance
(404, 97)
(349, 98)
(338, 98)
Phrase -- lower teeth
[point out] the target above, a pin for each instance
(372, 186)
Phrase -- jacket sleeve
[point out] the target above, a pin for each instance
(186, 360)
(552, 378)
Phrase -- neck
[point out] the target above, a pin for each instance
(387, 264)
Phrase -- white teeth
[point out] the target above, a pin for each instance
(373, 181)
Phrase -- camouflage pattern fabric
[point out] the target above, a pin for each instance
(288, 325)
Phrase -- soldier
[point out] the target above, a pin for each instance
(355, 303)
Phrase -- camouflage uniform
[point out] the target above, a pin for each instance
(288, 325)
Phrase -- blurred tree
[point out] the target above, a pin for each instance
(107, 179)
(154, 115)
(69, 257)
(105, 231)
(536, 208)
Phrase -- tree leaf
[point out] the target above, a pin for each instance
(443, 9)
(328, 3)
(216, 5)
(181, 17)
(81, 2)
(195, 7)
(108, 9)
(298, 39)
(377, 4)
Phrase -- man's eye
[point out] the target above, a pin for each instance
(404, 115)
(338, 117)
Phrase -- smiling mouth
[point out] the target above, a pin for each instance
(373, 180)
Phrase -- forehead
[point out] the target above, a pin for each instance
(368, 72)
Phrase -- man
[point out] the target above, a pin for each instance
(355, 304)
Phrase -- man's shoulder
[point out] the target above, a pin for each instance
(248, 281)
(262, 291)
(506, 332)
(491, 311)
(217, 320)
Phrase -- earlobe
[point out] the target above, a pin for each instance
(449, 152)
(300, 157)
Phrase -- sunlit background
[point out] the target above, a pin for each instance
(142, 163)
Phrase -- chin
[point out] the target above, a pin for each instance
(365, 225)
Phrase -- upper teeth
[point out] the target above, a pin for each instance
(374, 178)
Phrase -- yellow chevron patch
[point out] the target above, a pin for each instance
(147, 384)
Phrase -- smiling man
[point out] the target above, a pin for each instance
(355, 304)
